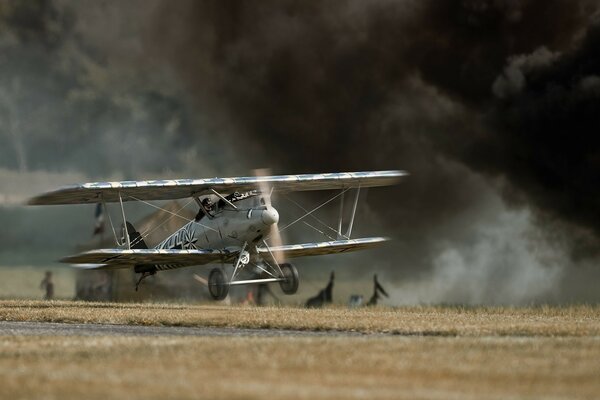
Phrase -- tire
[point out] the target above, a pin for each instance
(290, 273)
(218, 286)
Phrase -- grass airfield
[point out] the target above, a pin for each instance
(409, 352)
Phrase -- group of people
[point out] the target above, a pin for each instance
(325, 296)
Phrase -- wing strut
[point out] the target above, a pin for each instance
(126, 234)
(273, 257)
(339, 232)
(353, 213)
(240, 261)
(110, 220)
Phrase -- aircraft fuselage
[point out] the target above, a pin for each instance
(224, 226)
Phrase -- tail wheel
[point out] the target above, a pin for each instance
(217, 284)
(290, 274)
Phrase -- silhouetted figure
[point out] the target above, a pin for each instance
(324, 296)
(376, 290)
(261, 293)
(48, 286)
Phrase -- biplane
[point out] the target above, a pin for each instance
(234, 225)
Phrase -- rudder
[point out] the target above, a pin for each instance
(135, 238)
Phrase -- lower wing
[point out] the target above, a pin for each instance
(323, 248)
(121, 258)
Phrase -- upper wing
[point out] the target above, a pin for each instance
(181, 188)
(323, 248)
(121, 258)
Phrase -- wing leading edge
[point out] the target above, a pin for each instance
(168, 259)
(323, 248)
(122, 258)
(181, 188)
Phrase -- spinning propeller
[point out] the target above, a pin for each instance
(270, 214)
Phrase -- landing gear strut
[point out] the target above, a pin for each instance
(144, 275)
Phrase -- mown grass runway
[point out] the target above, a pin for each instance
(436, 352)
(422, 320)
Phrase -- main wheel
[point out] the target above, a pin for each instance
(217, 284)
(290, 273)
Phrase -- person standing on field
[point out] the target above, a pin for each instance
(48, 285)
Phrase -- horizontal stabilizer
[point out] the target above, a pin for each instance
(181, 188)
(95, 266)
(323, 248)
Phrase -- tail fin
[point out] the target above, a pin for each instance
(135, 239)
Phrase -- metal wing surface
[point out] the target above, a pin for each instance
(323, 248)
(181, 188)
(121, 258)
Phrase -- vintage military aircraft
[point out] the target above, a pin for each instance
(234, 221)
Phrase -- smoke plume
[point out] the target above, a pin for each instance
(490, 104)
(505, 88)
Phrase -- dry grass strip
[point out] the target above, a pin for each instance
(424, 320)
(299, 367)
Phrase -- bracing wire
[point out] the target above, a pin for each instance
(318, 230)
(314, 209)
(174, 213)
(315, 218)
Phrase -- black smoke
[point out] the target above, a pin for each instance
(472, 97)
(300, 79)
(545, 130)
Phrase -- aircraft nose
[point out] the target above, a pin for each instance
(270, 216)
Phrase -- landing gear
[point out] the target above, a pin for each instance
(144, 275)
(218, 286)
(290, 274)
(286, 274)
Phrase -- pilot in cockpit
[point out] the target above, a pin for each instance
(207, 206)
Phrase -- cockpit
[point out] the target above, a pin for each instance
(210, 208)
